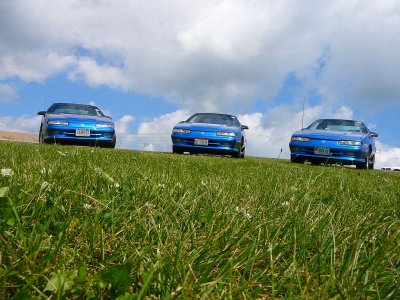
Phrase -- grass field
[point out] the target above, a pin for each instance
(90, 223)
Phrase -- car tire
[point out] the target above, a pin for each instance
(372, 163)
(364, 166)
(243, 153)
(296, 159)
(368, 164)
(41, 136)
(176, 150)
(108, 144)
(361, 166)
(239, 154)
(113, 143)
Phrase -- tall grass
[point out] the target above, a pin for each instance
(80, 222)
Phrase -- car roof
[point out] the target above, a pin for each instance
(219, 114)
(333, 119)
(68, 103)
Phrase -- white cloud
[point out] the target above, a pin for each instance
(7, 93)
(124, 137)
(155, 134)
(25, 124)
(94, 74)
(218, 53)
(387, 156)
(33, 66)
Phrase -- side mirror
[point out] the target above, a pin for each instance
(41, 113)
(374, 134)
(244, 127)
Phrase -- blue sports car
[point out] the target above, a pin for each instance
(334, 141)
(210, 133)
(71, 123)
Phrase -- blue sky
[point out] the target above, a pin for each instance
(150, 64)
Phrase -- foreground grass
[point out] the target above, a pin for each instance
(82, 222)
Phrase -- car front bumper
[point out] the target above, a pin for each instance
(220, 145)
(344, 154)
(68, 134)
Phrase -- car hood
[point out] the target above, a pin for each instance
(206, 127)
(79, 118)
(330, 135)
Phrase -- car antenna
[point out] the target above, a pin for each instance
(183, 101)
(302, 117)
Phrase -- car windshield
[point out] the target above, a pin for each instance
(339, 125)
(214, 119)
(75, 109)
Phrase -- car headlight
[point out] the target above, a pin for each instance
(181, 130)
(57, 122)
(223, 133)
(105, 125)
(300, 139)
(350, 143)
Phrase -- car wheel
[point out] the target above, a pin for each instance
(242, 154)
(368, 164)
(111, 144)
(362, 166)
(296, 159)
(41, 136)
(365, 165)
(371, 164)
(239, 154)
(176, 150)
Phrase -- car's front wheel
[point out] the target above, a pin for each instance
(368, 164)
(176, 150)
(364, 165)
(296, 159)
(41, 135)
(113, 143)
(242, 151)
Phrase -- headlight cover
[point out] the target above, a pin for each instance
(181, 130)
(224, 133)
(105, 125)
(300, 139)
(57, 122)
(350, 143)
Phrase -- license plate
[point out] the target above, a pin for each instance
(201, 142)
(322, 151)
(82, 132)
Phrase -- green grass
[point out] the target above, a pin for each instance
(80, 222)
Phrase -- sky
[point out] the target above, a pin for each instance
(276, 65)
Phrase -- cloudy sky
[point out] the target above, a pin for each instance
(150, 64)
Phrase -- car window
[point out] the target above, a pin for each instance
(339, 125)
(73, 109)
(214, 119)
